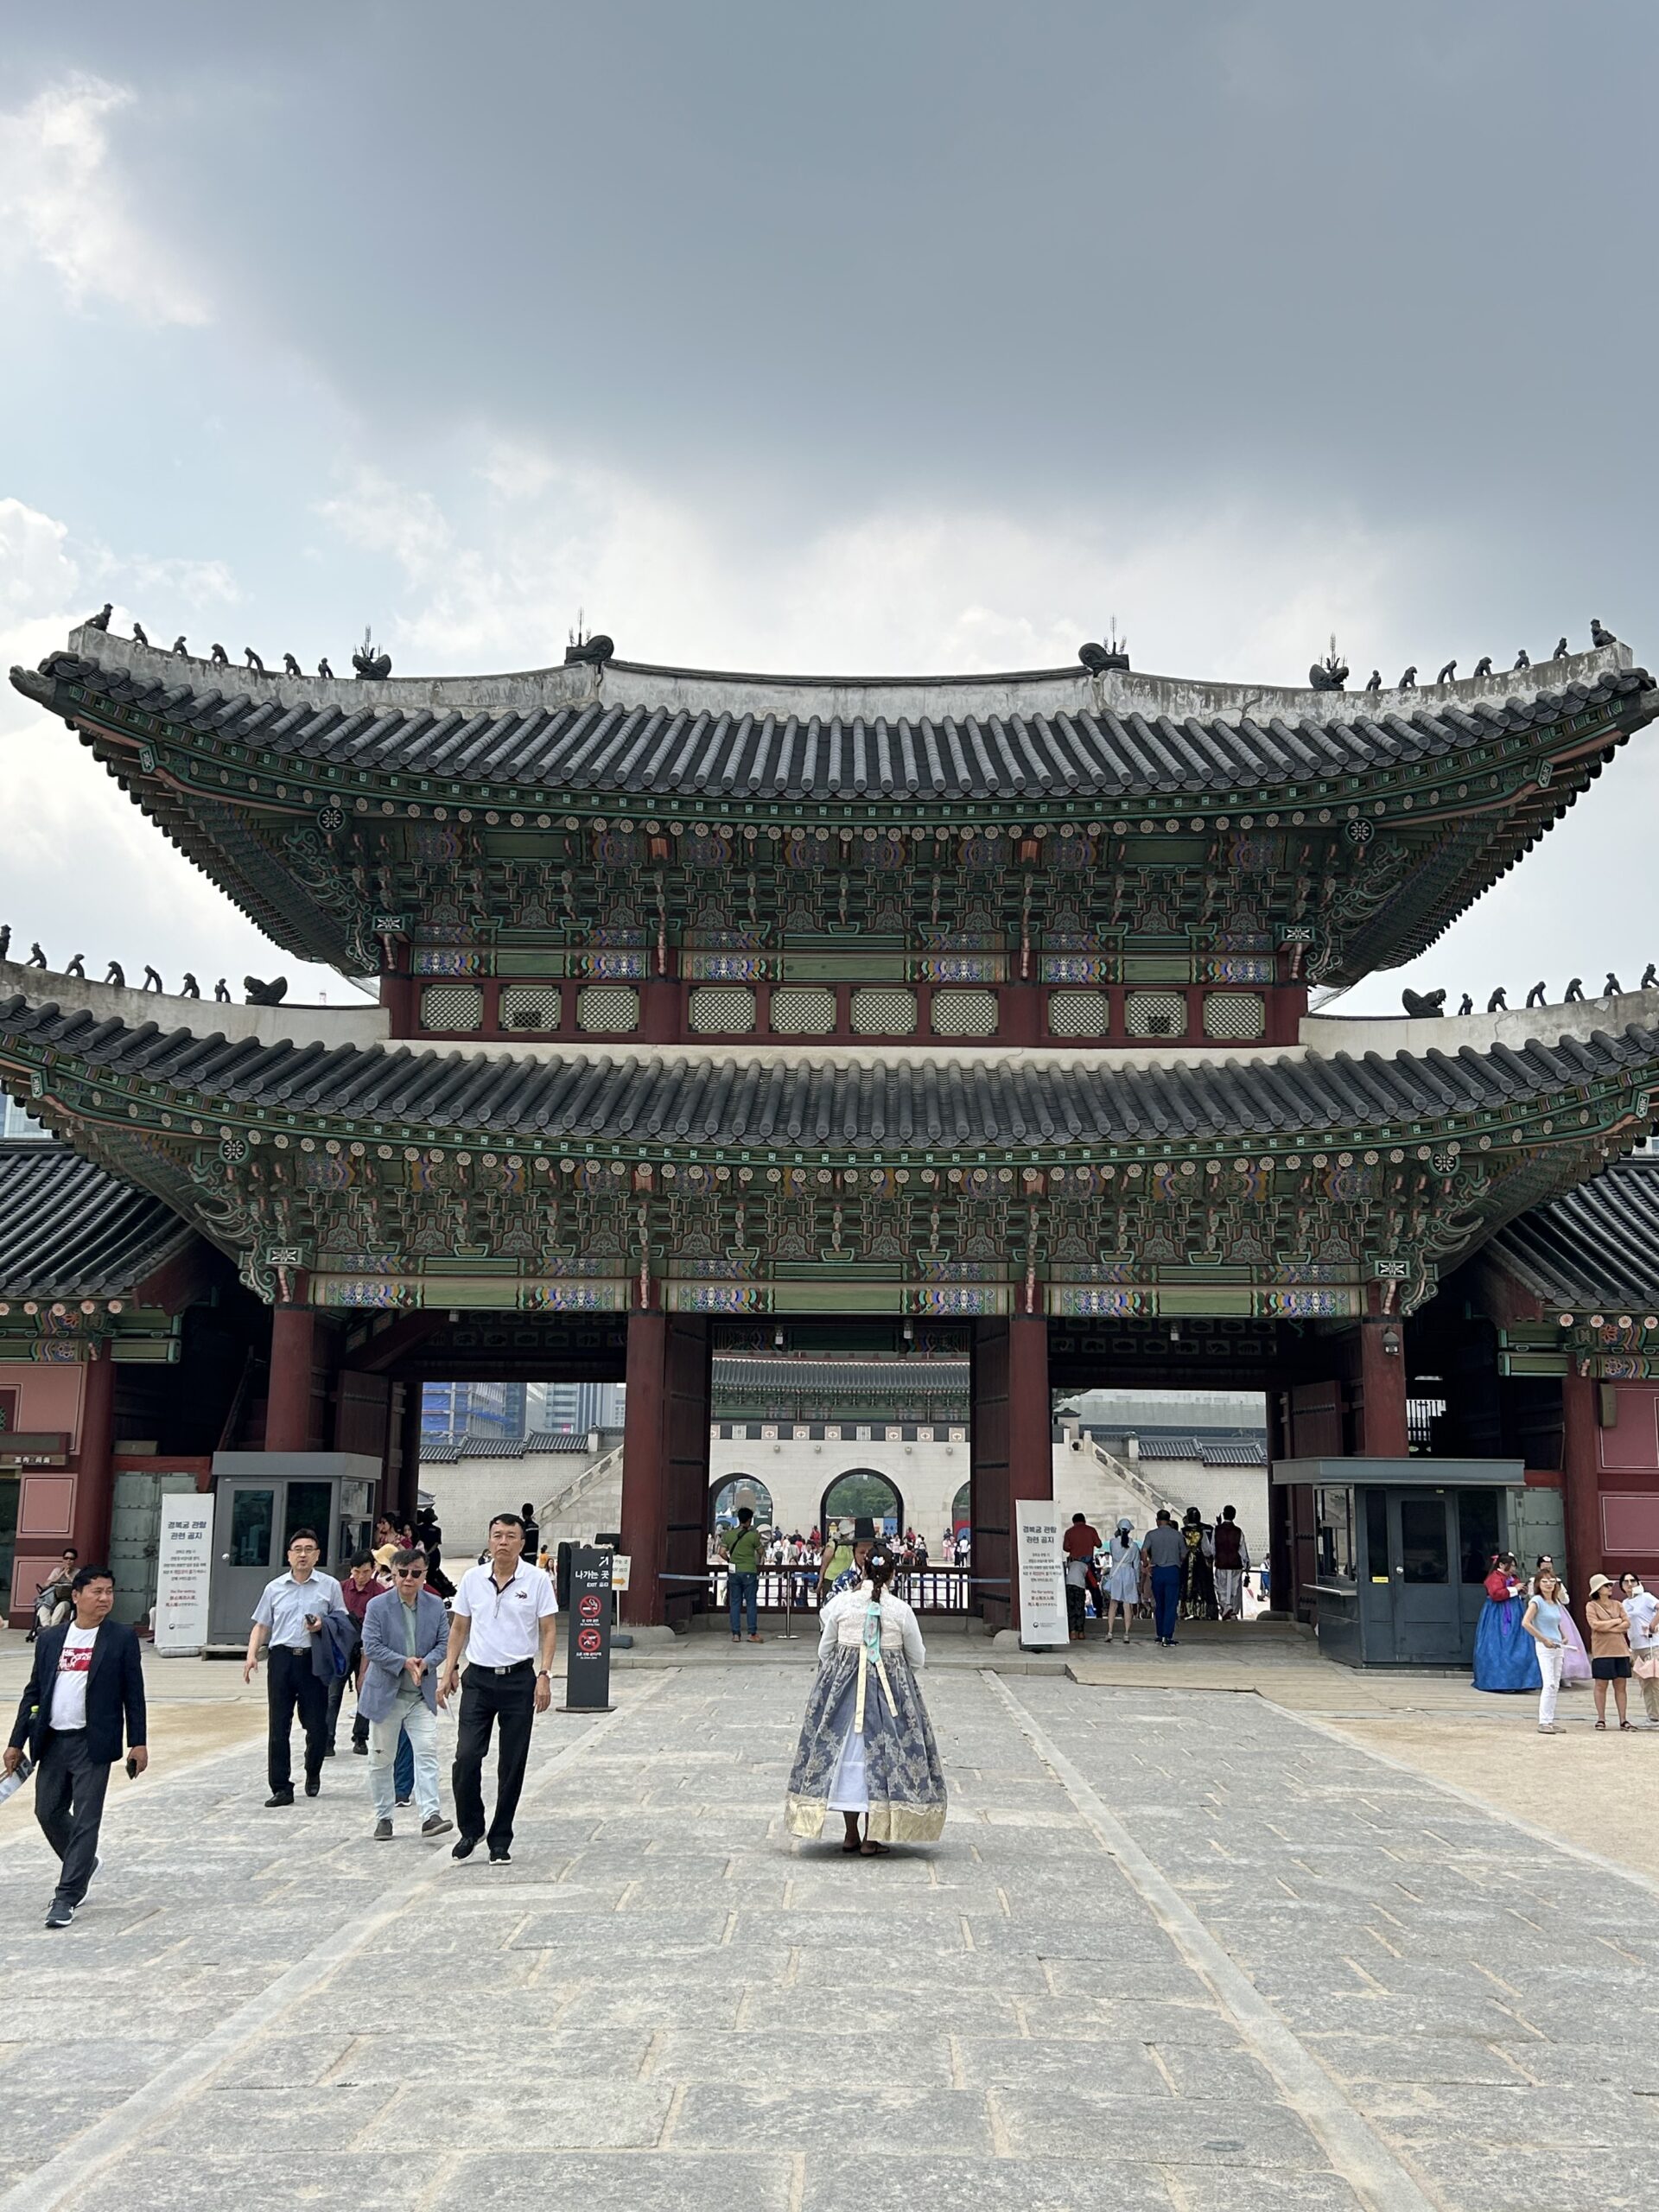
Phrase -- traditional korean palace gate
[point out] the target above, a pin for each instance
(974, 1004)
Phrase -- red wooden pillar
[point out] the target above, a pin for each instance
(288, 1400)
(1011, 1451)
(1580, 1482)
(408, 1488)
(665, 1464)
(644, 1518)
(89, 1522)
(1385, 1434)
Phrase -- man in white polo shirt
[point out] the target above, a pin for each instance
(505, 1618)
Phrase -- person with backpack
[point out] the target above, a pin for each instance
(1232, 1564)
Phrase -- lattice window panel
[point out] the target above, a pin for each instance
(608, 1006)
(530, 1006)
(1241, 1016)
(1078, 1014)
(879, 1013)
(964, 1014)
(804, 1010)
(1154, 1013)
(721, 1010)
(452, 1006)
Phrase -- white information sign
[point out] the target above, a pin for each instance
(1042, 1573)
(184, 1566)
(622, 1569)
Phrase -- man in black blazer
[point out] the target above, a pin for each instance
(86, 1688)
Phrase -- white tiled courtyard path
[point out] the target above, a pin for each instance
(1177, 1949)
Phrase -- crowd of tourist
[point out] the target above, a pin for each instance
(1528, 1640)
(1191, 1570)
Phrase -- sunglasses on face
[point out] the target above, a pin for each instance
(411, 1573)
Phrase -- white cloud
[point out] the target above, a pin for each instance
(80, 868)
(500, 578)
(63, 197)
(197, 583)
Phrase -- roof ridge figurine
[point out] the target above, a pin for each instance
(101, 619)
(372, 667)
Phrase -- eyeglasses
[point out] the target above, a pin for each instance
(409, 1574)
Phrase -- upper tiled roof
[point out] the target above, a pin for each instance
(662, 734)
(68, 1229)
(898, 1378)
(1597, 1246)
(808, 1104)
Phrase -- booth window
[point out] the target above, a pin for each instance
(1333, 1511)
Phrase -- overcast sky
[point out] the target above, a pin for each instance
(854, 338)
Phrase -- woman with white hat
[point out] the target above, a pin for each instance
(1610, 1648)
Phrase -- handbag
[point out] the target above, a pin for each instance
(1645, 1665)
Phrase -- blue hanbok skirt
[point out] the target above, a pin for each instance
(1506, 1658)
(891, 1767)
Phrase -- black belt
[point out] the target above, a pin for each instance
(517, 1668)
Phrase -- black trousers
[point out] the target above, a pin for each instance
(69, 1787)
(290, 1686)
(508, 1701)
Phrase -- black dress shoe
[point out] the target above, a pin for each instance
(464, 1846)
(313, 1784)
(280, 1797)
(362, 1750)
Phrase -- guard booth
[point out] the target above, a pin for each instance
(260, 1498)
(1401, 1549)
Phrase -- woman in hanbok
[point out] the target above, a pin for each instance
(1575, 1660)
(1198, 1571)
(1506, 1658)
(867, 1749)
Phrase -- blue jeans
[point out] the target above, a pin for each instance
(1165, 1600)
(741, 1589)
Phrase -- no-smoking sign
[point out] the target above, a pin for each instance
(589, 1607)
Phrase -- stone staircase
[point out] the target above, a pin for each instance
(591, 1501)
(1090, 1479)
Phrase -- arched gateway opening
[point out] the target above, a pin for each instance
(862, 1489)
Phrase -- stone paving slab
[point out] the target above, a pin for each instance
(666, 2000)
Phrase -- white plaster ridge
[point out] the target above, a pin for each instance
(366, 1024)
(892, 698)
(1355, 1033)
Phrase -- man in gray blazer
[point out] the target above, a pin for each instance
(406, 1630)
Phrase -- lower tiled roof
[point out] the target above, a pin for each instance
(687, 1100)
(1597, 1246)
(68, 1229)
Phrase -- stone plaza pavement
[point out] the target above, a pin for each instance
(1177, 1949)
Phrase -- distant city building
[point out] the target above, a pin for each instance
(571, 1408)
(451, 1411)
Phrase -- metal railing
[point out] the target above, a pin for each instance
(794, 1589)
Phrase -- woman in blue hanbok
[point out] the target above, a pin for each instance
(867, 1749)
(1506, 1659)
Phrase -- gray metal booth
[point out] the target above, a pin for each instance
(1401, 1549)
(259, 1499)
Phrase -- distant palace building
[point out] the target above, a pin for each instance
(959, 1023)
